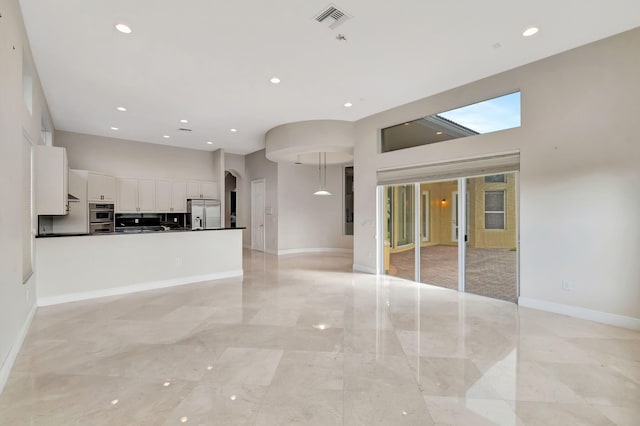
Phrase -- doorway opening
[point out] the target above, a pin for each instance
(258, 214)
(230, 186)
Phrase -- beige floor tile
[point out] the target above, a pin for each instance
(400, 407)
(245, 366)
(469, 411)
(551, 413)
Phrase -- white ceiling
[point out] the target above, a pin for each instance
(210, 61)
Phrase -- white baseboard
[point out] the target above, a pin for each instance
(365, 269)
(5, 370)
(153, 285)
(582, 313)
(314, 250)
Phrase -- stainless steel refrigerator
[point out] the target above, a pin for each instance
(203, 213)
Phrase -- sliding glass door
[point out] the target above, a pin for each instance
(439, 252)
(399, 247)
(491, 252)
(462, 243)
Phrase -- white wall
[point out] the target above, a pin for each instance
(258, 167)
(218, 167)
(120, 157)
(310, 221)
(579, 180)
(16, 123)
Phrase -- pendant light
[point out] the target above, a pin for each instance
(322, 175)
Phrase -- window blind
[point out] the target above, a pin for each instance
(450, 170)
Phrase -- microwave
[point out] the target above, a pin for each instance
(100, 213)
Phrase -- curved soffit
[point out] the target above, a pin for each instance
(300, 142)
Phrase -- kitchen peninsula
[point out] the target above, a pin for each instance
(73, 268)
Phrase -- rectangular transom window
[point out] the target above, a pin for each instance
(494, 210)
(487, 116)
(495, 179)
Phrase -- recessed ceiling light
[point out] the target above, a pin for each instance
(123, 28)
(121, 109)
(184, 121)
(275, 80)
(114, 402)
(184, 419)
(233, 130)
(530, 31)
(406, 124)
(348, 105)
(114, 128)
(166, 136)
(209, 143)
(438, 133)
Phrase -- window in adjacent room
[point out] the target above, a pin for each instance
(348, 200)
(424, 216)
(495, 179)
(494, 210)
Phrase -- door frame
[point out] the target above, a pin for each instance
(253, 213)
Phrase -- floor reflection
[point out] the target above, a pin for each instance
(303, 340)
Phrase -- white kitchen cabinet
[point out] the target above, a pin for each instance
(147, 195)
(202, 189)
(163, 196)
(52, 180)
(127, 195)
(101, 188)
(171, 196)
(178, 196)
(136, 195)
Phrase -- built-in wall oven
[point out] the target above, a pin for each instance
(101, 228)
(101, 218)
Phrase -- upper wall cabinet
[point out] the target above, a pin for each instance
(101, 188)
(136, 195)
(178, 196)
(163, 196)
(202, 189)
(52, 180)
(171, 196)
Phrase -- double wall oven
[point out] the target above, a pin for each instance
(101, 218)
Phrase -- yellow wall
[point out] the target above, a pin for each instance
(441, 214)
(491, 238)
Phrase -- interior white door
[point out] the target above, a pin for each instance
(257, 215)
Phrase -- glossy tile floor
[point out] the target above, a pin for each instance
(301, 340)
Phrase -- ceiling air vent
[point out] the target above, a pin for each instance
(184, 129)
(332, 16)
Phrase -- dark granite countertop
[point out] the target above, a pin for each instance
(137, 231)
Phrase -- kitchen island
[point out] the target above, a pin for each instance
(70, 268)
